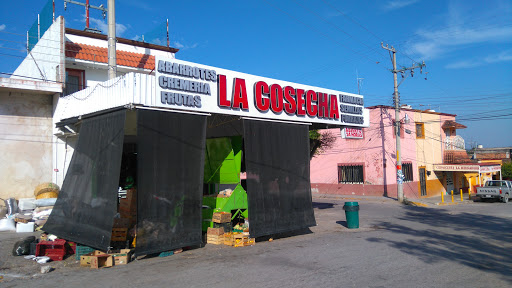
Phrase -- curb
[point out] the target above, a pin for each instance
(417, 204)
(451, 203)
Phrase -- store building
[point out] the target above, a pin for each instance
(363, 161)
(178, 128)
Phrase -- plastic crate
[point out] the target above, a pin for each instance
(82, 250)
(56, 250)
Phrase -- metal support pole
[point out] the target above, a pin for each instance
(399, 173)
(112, 68)
(38, 28)
(87, 13)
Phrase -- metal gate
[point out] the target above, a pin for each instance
(423, 182)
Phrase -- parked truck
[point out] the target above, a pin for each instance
(495, 189)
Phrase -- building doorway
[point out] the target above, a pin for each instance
(449, 182)
(423, 182)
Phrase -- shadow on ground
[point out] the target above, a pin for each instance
(320, 205)
(478, 241)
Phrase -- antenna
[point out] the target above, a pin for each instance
(359, 83)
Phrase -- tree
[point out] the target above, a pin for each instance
(506, 171)
(320, 141)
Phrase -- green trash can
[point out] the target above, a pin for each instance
(352, 214)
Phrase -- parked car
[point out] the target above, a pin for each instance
(495, 189)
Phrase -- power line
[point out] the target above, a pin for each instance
(320, 32)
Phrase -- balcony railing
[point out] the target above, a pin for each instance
(455, 143)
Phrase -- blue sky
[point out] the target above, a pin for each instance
(466, 45)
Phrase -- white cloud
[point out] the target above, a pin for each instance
(503, 56)
(103, 26)
(2, 27)
(181, 46)
(398, 4)
(178, 45)
(436, 43)
(460, 30)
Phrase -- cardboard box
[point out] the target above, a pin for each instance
(103, 260)
(85, 260)
(221, 217)
(123, 257)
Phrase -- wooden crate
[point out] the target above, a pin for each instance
(119, 234)
(250, 242)
(221, 217)
(215, 239)
(121, 223)
(237, 239)
(215, 231)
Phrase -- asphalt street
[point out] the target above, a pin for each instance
(467, 245)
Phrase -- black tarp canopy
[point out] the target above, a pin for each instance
(278, 185)
(87, 202)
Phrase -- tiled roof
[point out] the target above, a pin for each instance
(453, 124)
(100, 55)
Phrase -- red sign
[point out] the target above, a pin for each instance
(352, 133)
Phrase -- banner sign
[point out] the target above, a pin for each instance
(467, 168)
(195, 87)
(352, 133)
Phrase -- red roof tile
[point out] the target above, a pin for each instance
(98, 54)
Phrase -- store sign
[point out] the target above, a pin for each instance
(189, 86)
(467, 168)
(489, 169)
(455, 168)
(352, 133)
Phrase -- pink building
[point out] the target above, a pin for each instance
(367, 165)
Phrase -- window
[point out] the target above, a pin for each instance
(75, 81)
(420, 130)
(407, 170)
(350, 173)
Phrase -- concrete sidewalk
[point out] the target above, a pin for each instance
(423, 202)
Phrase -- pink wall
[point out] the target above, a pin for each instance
(376, 151)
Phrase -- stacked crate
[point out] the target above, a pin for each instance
(215, 236)
(128, 206)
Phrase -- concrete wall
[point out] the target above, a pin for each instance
(46, 60)
(376, 151)
(25, 143)
(430, 150)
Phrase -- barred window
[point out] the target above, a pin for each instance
(407, 170)
(349, 173)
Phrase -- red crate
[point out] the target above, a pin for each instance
(56, 250)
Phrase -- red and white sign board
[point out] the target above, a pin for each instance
(189, 86)
(352, 133)
(467, 168)
(489, 169)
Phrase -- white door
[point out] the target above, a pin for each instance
(449, 182)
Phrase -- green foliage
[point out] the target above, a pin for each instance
(320, 141)
(506, 171)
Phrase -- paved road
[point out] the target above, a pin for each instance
(466, 245)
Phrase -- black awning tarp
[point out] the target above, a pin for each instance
(87, 202)
(278, 183)
(171, 148)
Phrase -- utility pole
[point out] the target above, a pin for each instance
(112, 67)
(396, 100)
(87, 7)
